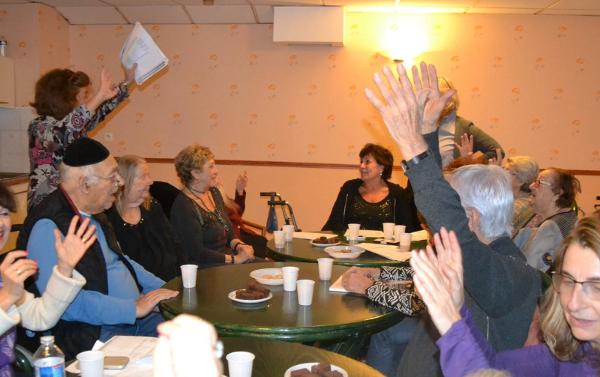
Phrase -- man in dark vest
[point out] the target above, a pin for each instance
(119, 296)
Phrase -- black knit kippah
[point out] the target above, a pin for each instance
(85, 151)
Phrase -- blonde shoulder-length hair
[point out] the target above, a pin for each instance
(556, 331)
(127, 166)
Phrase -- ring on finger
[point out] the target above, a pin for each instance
(19, 272)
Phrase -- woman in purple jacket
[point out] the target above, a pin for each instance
(570, 311)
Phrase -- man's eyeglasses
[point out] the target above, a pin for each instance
(114, 178)
(565, 285)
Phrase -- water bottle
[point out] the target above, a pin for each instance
(48, 360)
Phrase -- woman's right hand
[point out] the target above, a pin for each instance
(15, 269)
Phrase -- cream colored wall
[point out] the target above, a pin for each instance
(528, 80)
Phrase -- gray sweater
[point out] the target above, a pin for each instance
(501, 291)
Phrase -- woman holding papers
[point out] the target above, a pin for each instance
(67, 109)
(373, 199)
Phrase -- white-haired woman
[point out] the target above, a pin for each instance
(523, 171)
(570, 311)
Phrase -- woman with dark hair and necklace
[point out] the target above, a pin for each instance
(198, 214)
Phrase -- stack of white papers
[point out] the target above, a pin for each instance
(140, 48)
(392, 252)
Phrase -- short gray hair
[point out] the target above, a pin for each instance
(524, 168)
(487, 189)
(68, 173)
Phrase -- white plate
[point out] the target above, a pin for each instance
(334, 251)
(324, 244)
(258, 275)
(232, 297)
(335, 368)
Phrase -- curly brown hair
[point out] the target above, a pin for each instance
(566, 185)
(190, 158)
(382, 156)
(56, 92)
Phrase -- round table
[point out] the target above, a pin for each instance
(302, 250)
(273, 357)
(332, 317)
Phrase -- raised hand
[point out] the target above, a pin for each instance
(70, 250)
(427, 85)
(465, 148)
(449, 256)
(434, 290)
(498, 160)
(241, 182)
(15, 269)
(108, 89)
(147, 302)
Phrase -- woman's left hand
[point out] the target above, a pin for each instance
(358, 280)
(70, 250)
(248, 250)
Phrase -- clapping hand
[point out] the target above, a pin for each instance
(465, 148)
(15, 269)
(241, 182)
(409, 113)
(439, 279)
(70, 250)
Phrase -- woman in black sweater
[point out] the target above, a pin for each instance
(373, 199)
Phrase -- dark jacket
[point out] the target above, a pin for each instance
(404, 213)
(501, 290)
(73, 337)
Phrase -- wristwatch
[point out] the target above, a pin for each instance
(413, 161)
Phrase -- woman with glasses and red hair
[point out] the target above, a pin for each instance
(570, 311)
(553, 198)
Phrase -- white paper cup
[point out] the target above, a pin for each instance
(91, 363)
(388, 231)
(405, 239)
(240, 363)
(290, 275)
(279, 237)
(325, 267)
(188, 275)
(398, 230)
(353, 231)
(288, 230)
(305, 291)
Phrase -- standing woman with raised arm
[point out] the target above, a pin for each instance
(67, 109)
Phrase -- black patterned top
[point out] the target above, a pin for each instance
(392, 291)
(49, 137)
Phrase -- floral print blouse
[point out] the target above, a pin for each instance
(49, 137)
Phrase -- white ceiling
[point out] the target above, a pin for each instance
(101, 12)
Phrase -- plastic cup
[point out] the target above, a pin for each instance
(288, 230)
(353, 231)
(398, 230)
(91, 363)
(290, 275)
(279, 236)
(404, 239)
(325, 267)
(240, 363)
(188, 275)
(388, 231)
(305, 291)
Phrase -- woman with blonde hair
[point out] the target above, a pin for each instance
(198, 213)
(140, 224)
(570, 311)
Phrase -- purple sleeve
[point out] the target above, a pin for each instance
(464, 350)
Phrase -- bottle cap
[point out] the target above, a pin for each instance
(48, 339)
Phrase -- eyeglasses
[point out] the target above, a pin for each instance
(565, 285)
(539, 182)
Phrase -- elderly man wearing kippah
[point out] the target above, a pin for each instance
(119, 295)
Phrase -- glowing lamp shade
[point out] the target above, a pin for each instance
(405, 39)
